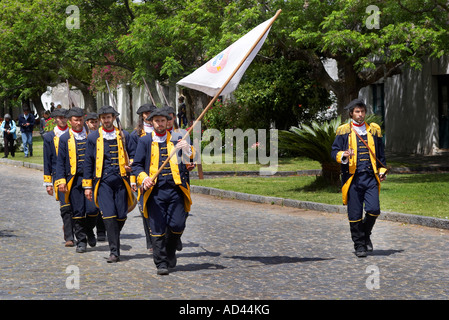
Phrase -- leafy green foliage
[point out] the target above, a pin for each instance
(314, 141)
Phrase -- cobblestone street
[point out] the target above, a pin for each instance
(232, 250)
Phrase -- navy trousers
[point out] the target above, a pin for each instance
(113, 197)
(166, 210)
(81, 207)
(363, 191)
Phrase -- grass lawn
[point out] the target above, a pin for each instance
(38, 152)
(284, 164)
(422, 194)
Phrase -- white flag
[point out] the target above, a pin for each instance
(211, 77)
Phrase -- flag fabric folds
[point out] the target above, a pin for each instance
(211, 77)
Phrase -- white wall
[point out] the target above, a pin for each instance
(411, 109)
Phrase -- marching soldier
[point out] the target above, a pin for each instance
(359, 148)
(177, 134)
(51, 144)
(106, 179)
(166, 200)
(93, 122)
(69, 176)
(143, 128)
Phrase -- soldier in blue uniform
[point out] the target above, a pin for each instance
(166, 200)
(93, 122)
(143, 128)
(69, 177)
(106, 177)
(51, 144)
(359, 148)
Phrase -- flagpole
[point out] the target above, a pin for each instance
(218, 93)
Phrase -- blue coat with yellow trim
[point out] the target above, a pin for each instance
(346, 138)
(51, 144)
(93, 163)
(66, 163)
(146, 163)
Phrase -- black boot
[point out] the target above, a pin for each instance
(80, 234)
(146, 228)
(358, 237)
(67, 223)
(171, 244)
(368, 224)
(113, 235)
(160, 254)
(101, 231)
(90, 225)
(121, 224)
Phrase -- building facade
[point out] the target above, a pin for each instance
(414, 106)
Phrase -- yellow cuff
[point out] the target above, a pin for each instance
(339, 156)
(60, 181)
(47, 178)
(87, 183)
(141, 177)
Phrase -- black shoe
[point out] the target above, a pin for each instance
(162, 271)
(360, 252)
(113, 259)
(81, 249)
(101, 237)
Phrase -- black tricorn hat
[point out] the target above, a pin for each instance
(159, 112)
(147, 107)
(169, 109)
(75, 112)
(355, 103)
(59, 113)
(91, 115)
(108, 109)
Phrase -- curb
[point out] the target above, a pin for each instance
(317, 172)
(23, 164)
(389, 216)
(308, 205)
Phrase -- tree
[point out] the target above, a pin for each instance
(369, 40)
(170, 39)
(40, 45)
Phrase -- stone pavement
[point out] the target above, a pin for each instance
(233, 250)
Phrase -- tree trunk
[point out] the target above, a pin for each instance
(90, 104)
(331, 173)
(38, 105)
(196, 101)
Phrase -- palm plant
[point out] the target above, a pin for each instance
(314, 141)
